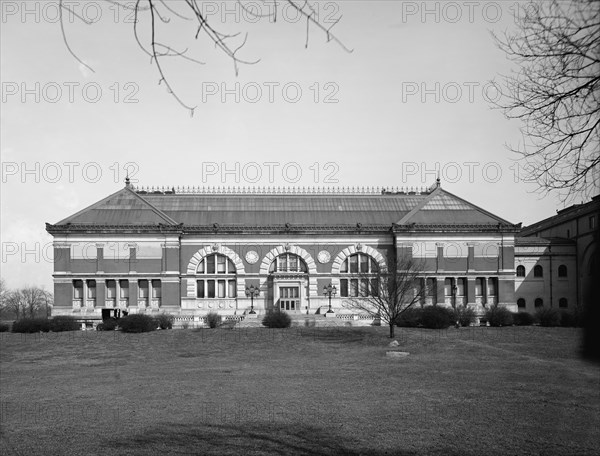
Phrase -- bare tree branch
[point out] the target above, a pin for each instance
(555, 93)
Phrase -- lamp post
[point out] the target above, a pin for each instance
(252, 292)
(329, 291)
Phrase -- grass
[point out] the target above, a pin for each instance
(468, 391)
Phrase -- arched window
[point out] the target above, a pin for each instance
(520, 271)
(538, 271)
(288, 262)
(219, 277)
(562, 271)
(521, 303)
(563, 303)
(364, 283)
(539, 302)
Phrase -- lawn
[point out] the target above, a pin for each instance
(468, 391)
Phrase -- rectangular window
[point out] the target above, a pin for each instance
(364, 263)
(431, 287)
(211, 288)
(460, 286)
(156, 289)
(492, 286)
(200, 288)
(479, 286)
(353, 264)
(354, 287)
(344, 288)
(293, 263)
(78, 289)
(221, 264)
(364, 287)
(374, 287)
(221, 289)
(143, 286)
(210, 264)
(124, 286)
(448, 286)
(111, 289)
(91, 289)
(232, 289)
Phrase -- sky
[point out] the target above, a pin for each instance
(408, 100)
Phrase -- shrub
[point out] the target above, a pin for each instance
(464, 315)
(110, 324)
(31, 325)
(523, 319)
(64, 323)
(410, 318)
(165, 321)
(499, 316)
(137, 323)
(548, 317)
(213, 319)
(572, 319)
(435, 317)
(277, 319)
(4, 327)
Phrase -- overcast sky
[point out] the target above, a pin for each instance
(410, 101)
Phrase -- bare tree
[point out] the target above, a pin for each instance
(33, 299)
(388, 293)
(160, 15)
(4, 291)
(15, 303)
(555, 93)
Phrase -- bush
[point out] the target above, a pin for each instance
(435, 317)
(571, 319)
(277, 319)
(4, 327)
(213, 319)
(64, 323)
(499, 316)
(110, 324)
(165, 321)
(548, 317)
(464, 315)
(410, 318)
(137, 323)
(31, 325)
(523, 319)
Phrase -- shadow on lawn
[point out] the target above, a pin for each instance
(208, 439)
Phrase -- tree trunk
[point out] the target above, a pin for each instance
(392, 330)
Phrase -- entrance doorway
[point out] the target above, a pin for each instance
(289, 298)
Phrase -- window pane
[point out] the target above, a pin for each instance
(230, 267)
(354, 287)
(344, 267)
(364, 287)
(111, 289)
(156, 289)
(283, 265)
(293, 263)
(221, 288)
(353, 264)
(78, 289)
(211, 288)
(124, 285)
(232, 289)
(91, 289)
(220, 264)
(374, 267)
(210, 264)
(492, 286)
(460, 290)
(374, 287)
(201, 268)
(143, 287)
(448, 287)
(200, 286)
(364, 263)
(344, 288)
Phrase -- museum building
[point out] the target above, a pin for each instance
(192, 251)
